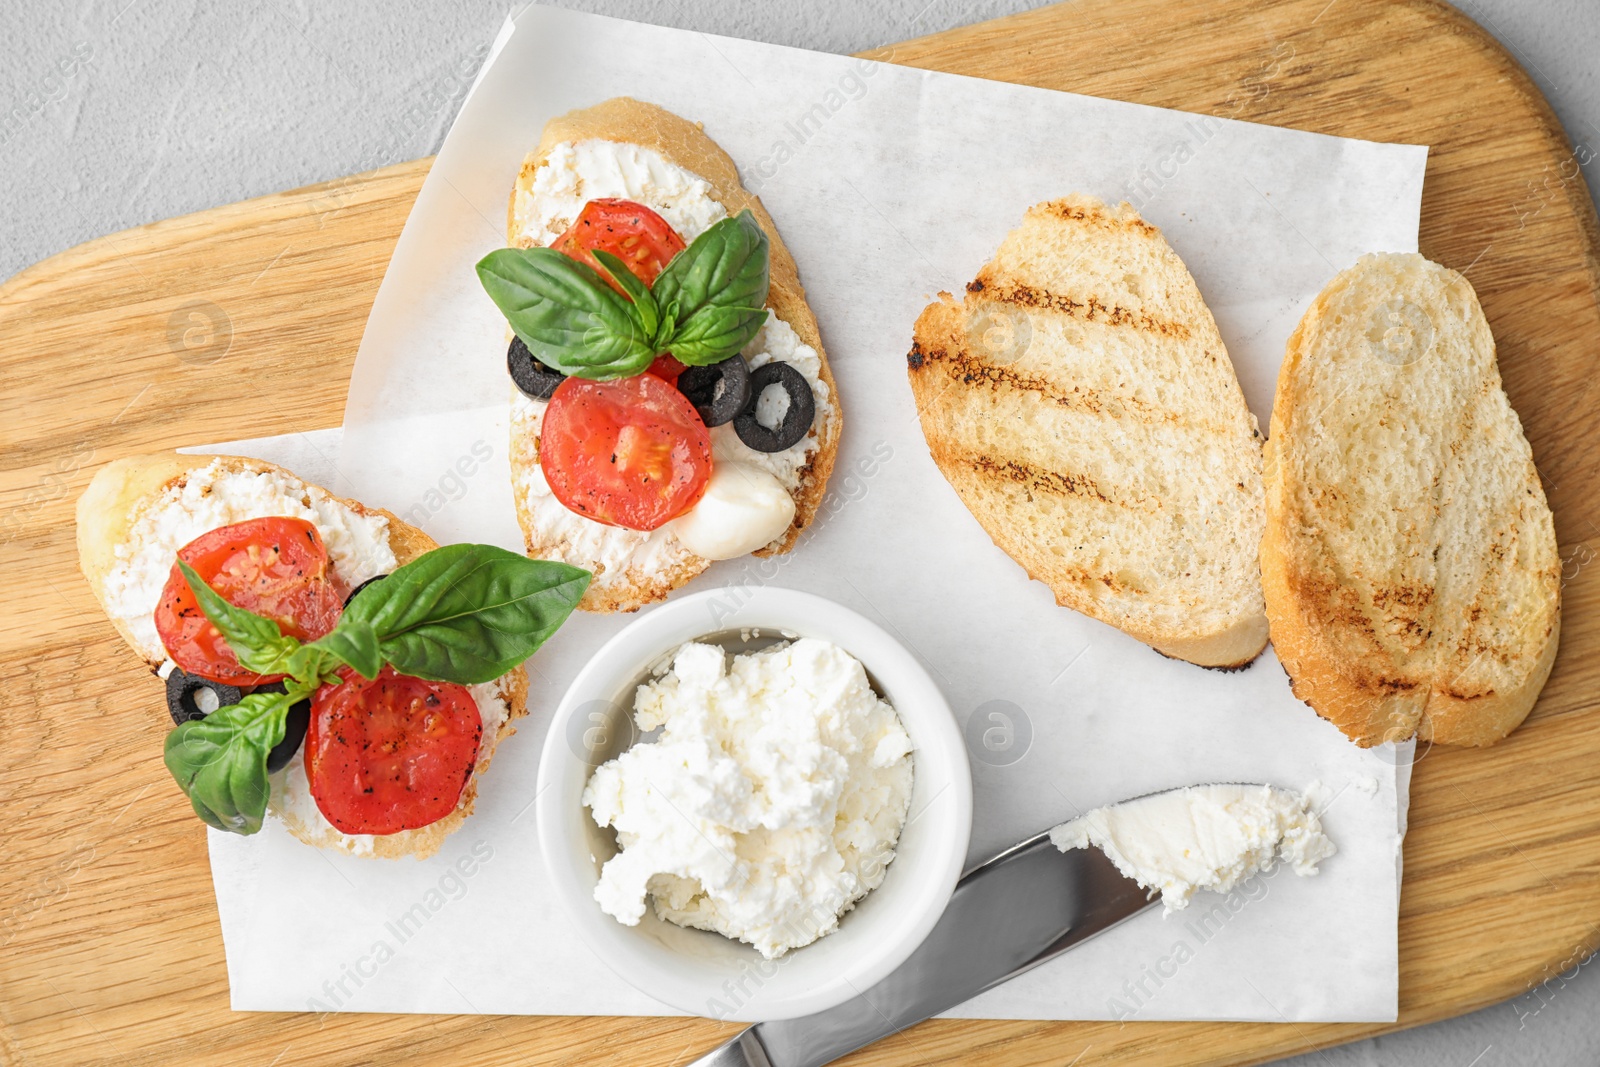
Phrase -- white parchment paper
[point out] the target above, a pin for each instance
(888, 184)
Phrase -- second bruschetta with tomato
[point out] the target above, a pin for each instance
(673, 404)
(325, 664)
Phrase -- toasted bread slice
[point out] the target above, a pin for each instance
(632, 569)
(1081, 402)
(109, 514)
(1412, 577)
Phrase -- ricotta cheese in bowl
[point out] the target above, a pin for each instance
(771, 802)
(769, 770)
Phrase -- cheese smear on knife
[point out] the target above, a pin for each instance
(1203, 837)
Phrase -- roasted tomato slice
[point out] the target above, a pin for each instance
(277, 567)
(391, 754)
(631, 232)
(631, 452)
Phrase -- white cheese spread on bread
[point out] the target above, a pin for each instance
(572, 174)
(575, 173)
(217, 495)
(770, 804)
(1203, 837)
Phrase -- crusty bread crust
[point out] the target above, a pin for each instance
(1400, 609)
(112, 504)
(684, 143)
(1074, 445)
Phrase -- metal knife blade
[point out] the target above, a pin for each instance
(1027, 905)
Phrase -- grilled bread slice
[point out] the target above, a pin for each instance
(1412, 576)
(631, 568)
(108, 518)
(1080, 400)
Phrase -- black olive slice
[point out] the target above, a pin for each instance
(534, 378)
(184, 691)
(718, 392)
(294, 729)
(796, 420)
(362, 586)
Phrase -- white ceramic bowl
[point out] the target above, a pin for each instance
(705, 973)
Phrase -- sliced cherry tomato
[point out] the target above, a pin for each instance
(666, 368)
(632, 232)
(631, 452)
(391, 754)
(277, 567)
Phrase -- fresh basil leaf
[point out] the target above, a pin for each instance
(318, 662)
(566, 315)
(261, 647)
(712, 334)
(644, 305)
(667, 326)
(467, 613)
(726, 266)
(255, 639)
(220, 761)
(352, 642)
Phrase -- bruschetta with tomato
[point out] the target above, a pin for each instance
(672, 403)
(325, 664)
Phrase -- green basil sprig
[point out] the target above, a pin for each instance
(463, 613)
(221, 760)
(704, 306)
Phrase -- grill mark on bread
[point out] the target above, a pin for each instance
(1337, 601)
(1090, 309)
(968, 368)
(1094, 216)
(1403, 608)
(1042, 480)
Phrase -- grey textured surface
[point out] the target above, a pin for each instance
(120, 112)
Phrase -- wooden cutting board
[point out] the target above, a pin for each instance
(244, 320)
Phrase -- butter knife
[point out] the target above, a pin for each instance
(1009, 914)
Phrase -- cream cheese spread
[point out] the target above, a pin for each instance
(216, 495)
(576, 172)
(771, 802)
(1203, 837)
(572, 174)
